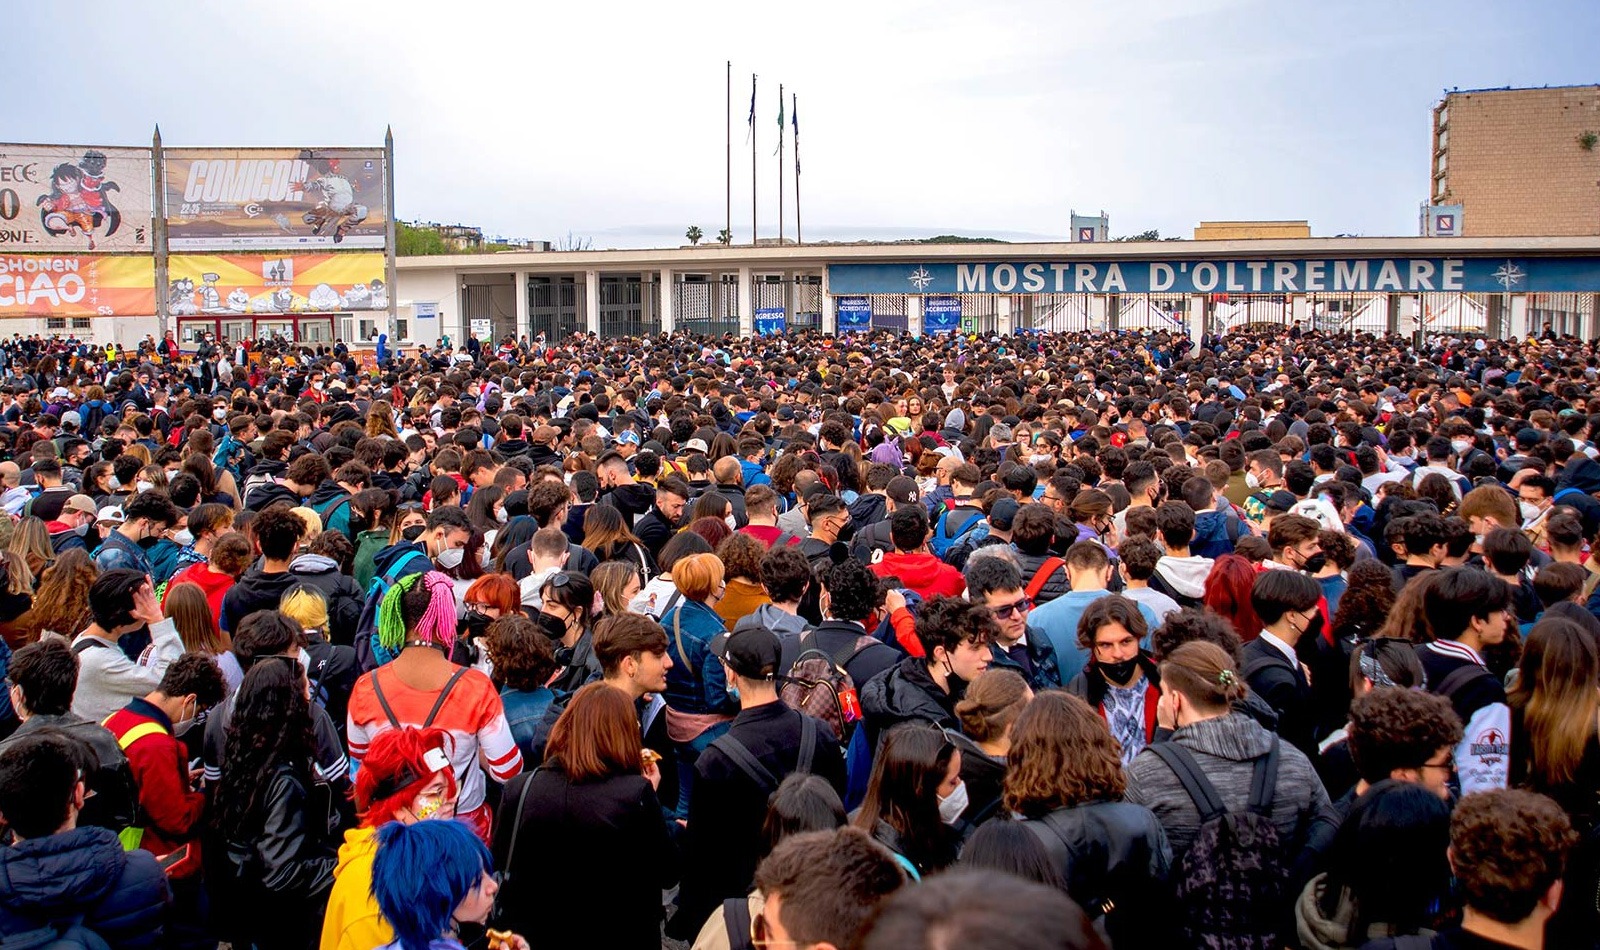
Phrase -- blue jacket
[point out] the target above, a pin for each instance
(118, 552)
(524, 710)
(753, 474)
(696, 683)
(121, 895)
(1215, 533)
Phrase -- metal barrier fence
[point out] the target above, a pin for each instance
(556, 307)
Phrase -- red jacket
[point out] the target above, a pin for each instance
(213, 583)
(923, 573)
(170, 812)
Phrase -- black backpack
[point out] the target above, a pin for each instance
(1230, 885)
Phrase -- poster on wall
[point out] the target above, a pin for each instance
(275, 283)
(855, 314)
(77, 285)
(72, 199)
(770, 321)
(941, 314)
(222, 199)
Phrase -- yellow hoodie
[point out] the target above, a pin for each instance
(353, 921)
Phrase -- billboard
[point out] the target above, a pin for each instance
(941, 314)
(275, 283)
(67, 199)
(235, 199)
(855, 314)
(770, 321)
(77, 285)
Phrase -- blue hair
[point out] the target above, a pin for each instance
(422, 873)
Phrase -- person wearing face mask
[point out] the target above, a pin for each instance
(148, 516)
(151, 732)
(71, 529)
(831, 526)
(1287, 603)
(406, 777)
(955, 637)
(914, 803)
(1120, 681)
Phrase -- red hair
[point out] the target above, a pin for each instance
(496, 590)
(392, 756)
(1228, 593)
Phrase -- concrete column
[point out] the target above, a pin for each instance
(1519, 316)
(1002, 316)
(1300, 310)
(1114, 313)
(914, 315)
(1391, 313)
(668, 318)
(747, 302)
(1197, 317)
(519, 287)
(1594, 317)
(1406, 317)
(591, 300)
(830, 307)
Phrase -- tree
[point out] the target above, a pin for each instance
(1150, 235)
(570, 243)
(724, 237)
(694, 234)
(418, 242)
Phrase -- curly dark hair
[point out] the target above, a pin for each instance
(271, 727)
(523, 656)
(1509, 847)
(949, 622)
(1193, 623)
(1396, 728)
(1367, 600)
(1062, 754)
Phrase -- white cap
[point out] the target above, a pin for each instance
(112, 513)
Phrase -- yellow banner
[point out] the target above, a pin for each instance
(76, 285)
(275, 283)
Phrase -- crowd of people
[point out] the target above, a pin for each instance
(1082, 640)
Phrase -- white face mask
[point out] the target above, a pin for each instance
(951, 806)
(1460, 446)
(1252, 481)
(451, 559)
(114, 482)
(219, 414)
(1530, 512)
(184, 537)
(142, 486)
(500, 515)
(731, 522)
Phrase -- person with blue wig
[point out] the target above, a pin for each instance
(431, 877)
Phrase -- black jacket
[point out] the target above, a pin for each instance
(283, 862)
(568, 837)
(1055, 586)
(121, 895)
(905, 693)
(634, 500)
(1283, 685)
(1111, 851)
(254, 591)
(345, 598)
(654, 530)
(728, 807)
(265, 496)
(869, 509)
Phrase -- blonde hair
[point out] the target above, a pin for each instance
(306, 607)
(313, 523)
(698, 576)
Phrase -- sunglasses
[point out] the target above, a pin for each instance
(1005, 611)
(559, 580)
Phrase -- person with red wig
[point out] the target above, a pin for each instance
(405, 777)
(1227, 592)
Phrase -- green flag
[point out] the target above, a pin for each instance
(780, 121)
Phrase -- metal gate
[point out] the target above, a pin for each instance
(556, 307)
(629, 307)
(706, 304)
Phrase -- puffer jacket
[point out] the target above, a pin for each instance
(869, 509)
(1226, 748)
(121, 895)
(345, 598)
(1054, 587)
(1110, 852)
(905, 693)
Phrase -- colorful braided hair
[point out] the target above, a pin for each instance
(437, 626)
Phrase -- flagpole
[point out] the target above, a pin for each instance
(794, 116)
(780, 163)
(727, 125)
(754, 232)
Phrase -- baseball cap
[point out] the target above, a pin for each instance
(1281, 501)
(696, 445)
(902, 489)
(753, 652)
(629, 436)
(71, 418)
(80, 503)
(111, 513)
(1003, 512)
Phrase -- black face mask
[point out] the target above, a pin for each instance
(1121, 671)
(847, 532)
(476, 623)
(414, 532)
(554, 627)
(1315, 563)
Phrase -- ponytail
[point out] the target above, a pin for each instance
(1204, 674)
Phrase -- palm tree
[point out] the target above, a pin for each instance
(724, 236)
(694, 234)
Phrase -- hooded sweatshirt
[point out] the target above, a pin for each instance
(869, 509)
(632, 499)
(353, 921)
(121, 895)
(255, 590)
(1185, 575)
(923, 573)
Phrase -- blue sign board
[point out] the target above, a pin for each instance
(770, 321)
(855, 314)
(941, 314)
(1246, 276)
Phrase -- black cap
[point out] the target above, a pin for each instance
(1281, 501)
(1003, 512)
(753, 652)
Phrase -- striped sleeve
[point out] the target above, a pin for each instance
(496, 745)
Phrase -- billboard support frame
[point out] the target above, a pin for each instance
(389, 270)
(158, 194)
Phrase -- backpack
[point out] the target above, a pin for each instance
(68, 934)
(818, 685)
(1042, 576)
(943, 540)
(368, 651)
(1229, 885)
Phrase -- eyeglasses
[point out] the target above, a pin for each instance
(1446, 765)
(1006, 611)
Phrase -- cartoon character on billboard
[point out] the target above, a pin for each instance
(210, 296)
(238, 301)
(380, 294)
(358, 297)
(337, 207)
(180, 296)
(323, 297)
(79, 201)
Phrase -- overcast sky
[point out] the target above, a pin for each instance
(606, 120)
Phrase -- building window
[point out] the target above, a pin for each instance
(80, 323)
(55, 323)
(402, 328)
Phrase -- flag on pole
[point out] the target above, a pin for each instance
(752, 121)
(780, 122)
(794, 117)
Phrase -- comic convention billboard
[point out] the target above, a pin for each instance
(268, 199)
(225, 284)
(77, 285)
(65, 199)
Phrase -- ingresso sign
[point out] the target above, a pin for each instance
(1268, 276)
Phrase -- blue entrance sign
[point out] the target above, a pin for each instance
(855, 314)
(941, 314)
(1240, 276)
(770, 321)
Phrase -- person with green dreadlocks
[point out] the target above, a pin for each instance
(421, 688)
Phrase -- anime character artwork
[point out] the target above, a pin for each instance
(79, 202)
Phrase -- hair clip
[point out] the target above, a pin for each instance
(1225, 678)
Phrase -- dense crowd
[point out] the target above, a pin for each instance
(1045, 640)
